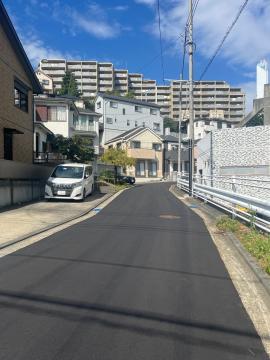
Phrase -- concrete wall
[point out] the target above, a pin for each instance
(243, 153)
(10, 115)
(18, 170)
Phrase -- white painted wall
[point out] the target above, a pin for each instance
(120, 120)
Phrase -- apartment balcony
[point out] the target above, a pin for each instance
(85, 127)
(89, 88)
(89, 67)
(74, 66)
(105, 69)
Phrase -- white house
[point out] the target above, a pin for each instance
(203, 126)
(61, 116)
(121, 114)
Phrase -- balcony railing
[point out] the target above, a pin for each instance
(48, 157)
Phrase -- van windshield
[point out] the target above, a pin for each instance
(71, 172)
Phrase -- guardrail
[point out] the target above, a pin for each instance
(253, 210)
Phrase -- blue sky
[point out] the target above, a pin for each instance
(126, 33)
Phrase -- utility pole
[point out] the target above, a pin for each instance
(191, 112)
(179, 127)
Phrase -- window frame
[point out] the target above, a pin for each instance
(156, 128)
(110, 122)
(22, 95)
(138, 108)
(114, 103)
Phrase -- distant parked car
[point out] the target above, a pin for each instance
(70, 181)
(124, 179)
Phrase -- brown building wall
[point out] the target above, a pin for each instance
(10, 116)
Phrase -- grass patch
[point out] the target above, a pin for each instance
(118, 187)
(256, 242)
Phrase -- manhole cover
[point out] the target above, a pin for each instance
(169, 217)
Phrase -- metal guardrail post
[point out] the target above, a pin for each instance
(234, 190)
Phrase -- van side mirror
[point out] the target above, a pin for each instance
(86, 176)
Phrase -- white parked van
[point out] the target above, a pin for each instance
(70, 181)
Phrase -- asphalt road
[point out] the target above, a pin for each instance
(141, 280)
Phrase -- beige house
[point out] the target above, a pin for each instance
(144, 145)
(45, 81)
(18, 83)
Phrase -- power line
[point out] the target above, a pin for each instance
(160, 42)
(224, 38)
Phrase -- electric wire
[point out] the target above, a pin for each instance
(160, 42)
(224, 39)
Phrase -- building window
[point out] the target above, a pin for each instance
(152, 168)
(156, 147)
(156, 126)
(109, 120)
(99, 105)
(124, 111)
(140, 168)
(136, 123)
(143, 124)
(207, 122)
(128, 122)
(20, 96)
(138, 108)
(118, 145)
(57, 113)
(153, 111)
(110, 147)
(113, 104)
(196, 123)
(229, 126)
(219, 125)
(45, 82)
(135, 144)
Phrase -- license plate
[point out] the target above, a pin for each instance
(59, 192)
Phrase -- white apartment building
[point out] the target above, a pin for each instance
(262, 77)
(120, 114)
(212, 98)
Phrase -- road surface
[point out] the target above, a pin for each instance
(140, 280)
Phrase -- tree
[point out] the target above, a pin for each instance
(89, 104)
(76, 149)
(172, 124)
(69, 85)
(117, 157)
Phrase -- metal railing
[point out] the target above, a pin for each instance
(249, 208)
(48, 157)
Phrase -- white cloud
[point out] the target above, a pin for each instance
(36, 50)
(121, 8)
(97, 28)
(146, 2)
(95, 20)
(248, 41)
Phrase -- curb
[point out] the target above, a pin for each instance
(263, 278)
(50, 227)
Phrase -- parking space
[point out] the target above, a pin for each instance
(23, 221)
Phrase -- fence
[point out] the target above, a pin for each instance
(17, 191)
(231, 199)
